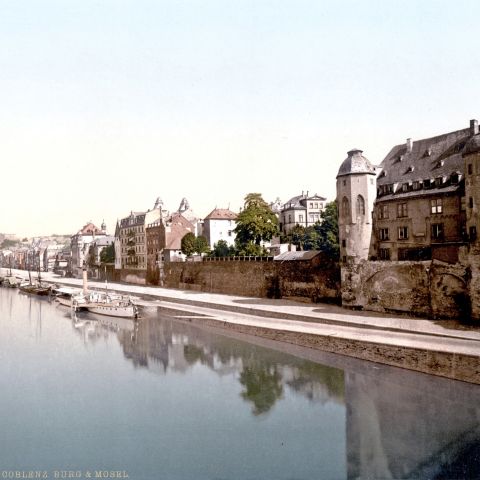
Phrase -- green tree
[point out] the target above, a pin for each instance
(222, 249)
(107, 255)
(188, 244)
(327, 231)
(201, 245)
(255, 223)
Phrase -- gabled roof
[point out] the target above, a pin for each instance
(179, 227)
(89, 229)
(221, 214)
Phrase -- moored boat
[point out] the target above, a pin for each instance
(104, 303)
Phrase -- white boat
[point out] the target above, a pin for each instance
(104, 303)
(64, 295)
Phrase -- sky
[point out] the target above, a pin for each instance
(106, 105)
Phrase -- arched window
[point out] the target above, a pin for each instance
(360, 205)
(345, 207)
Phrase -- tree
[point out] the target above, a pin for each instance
(107, 255)
(255, 223)
(201, 245)
(328, 231)
(7, 243)
(222, 249)
(188, 244)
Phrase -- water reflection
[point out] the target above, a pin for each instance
(178, 387)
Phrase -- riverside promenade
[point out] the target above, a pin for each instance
(442, 348)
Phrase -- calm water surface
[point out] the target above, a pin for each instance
(165, 399)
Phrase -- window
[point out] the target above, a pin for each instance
(344, 243)
(384, 253)
(455, 178)
(316, 204)
(439, 181)
(289, 218)
(383, 233)
(300, 218)
(416, 185)
(360, 205)
(437, 231)
(436, 205)
(402, 210)
(473, 233)
(345, 207)
(470, 169)
(402, 233)
(383, 212)
(470, 202)
(311, 204)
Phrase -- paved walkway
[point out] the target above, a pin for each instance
(299, 317)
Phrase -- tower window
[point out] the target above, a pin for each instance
(345, 207)
(360, 205)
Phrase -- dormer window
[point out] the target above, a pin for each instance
(417, 185)
(398, 159)
(404, 187)
(454, 178)
(411, 168)
(439, 181)
(440, 163)
(426, 183)
(428, 152)
(383, 173)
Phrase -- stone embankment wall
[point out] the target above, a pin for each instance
(434, 289)
(137, 277)
(317, 280)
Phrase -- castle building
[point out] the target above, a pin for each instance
(303, 210)
(356, 190)
(423, 201)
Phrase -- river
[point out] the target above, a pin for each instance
(163, 398)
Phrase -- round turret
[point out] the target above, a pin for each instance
(355, 163)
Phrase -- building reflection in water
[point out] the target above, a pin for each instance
(399, 424)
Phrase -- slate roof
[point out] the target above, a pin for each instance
(299, 202)
(429, 159)
(221, 214)
(134, 219)
(355, 163)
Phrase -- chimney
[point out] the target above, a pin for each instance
(409, 145)
(473, 127)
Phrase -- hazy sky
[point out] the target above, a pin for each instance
(106, 105)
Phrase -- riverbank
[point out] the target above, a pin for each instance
(433, 347)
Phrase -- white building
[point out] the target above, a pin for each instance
(220, 225)
(80, 245)
(303, 210)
